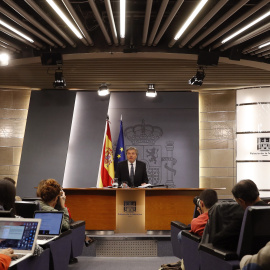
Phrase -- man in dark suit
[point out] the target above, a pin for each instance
(131, 172)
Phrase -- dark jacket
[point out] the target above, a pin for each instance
(122, 173)
(224, 225)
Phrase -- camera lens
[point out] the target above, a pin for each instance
(196, 201)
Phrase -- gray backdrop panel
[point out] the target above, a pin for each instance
(168, 136)
(46, 138)
(166, 132)
(86, 139)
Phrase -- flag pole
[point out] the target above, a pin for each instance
(99, 169)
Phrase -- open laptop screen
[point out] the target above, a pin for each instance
(51, 222)
(18, 234)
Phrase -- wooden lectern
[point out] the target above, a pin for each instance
(104, 208)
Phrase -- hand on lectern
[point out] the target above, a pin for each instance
(124, 185)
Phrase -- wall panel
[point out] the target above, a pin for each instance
(46, 139)
(13, 114)
(217, 140)
(165, 130)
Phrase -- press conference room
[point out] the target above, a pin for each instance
(181, 84)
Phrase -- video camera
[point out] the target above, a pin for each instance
(196, 201)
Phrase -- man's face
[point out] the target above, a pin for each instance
(131, 155)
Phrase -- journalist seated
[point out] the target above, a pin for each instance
(225, 222)
(50, 193)
(203, 203)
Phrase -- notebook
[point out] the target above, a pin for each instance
(20, 234)
(51, 224)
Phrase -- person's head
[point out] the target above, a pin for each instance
(131, 154)
(7, 194)
(40, 185)
(11, 180)
(50, 191)
(208, 198)
(246, 193)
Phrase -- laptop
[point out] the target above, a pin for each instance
(51, 224)
(20, 234)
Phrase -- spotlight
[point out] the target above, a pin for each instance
(59, 79)
(103, 90)
(198, 78)
(151, 92)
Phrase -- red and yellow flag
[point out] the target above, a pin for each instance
(106, 173)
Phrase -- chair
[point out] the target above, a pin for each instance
(41, 262)
(60, 250)
(190, 254)
(254, 235)
(176, 228)
(26, 209)
(77, 238)
(7, 214)
(224, 225)
(30, 199)
(266, 199)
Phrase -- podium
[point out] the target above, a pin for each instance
(106, 208)
(130, 211)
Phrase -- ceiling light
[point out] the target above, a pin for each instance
(246, 27)
(190, 19)
(103, 90)
(64, 18)
(59, 79)
(198, 78)
(151, 92)
(264, 45)
(16, 31)
(122, 18)
(4, 59)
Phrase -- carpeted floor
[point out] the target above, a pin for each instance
(121, 263)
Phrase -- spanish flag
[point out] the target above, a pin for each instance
(106, 172)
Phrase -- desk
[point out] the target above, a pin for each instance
(97, 206)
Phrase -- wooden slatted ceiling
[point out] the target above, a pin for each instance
(134, 73)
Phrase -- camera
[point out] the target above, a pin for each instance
(196, 201)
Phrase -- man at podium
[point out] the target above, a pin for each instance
(131, 172)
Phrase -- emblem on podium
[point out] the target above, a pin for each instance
(130, 206)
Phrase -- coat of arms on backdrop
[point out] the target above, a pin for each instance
(144, 137)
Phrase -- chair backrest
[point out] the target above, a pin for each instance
(266, 199)
(26, 209)
(255, 230)
(7, 214)
(31, 199)
(224, 225)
